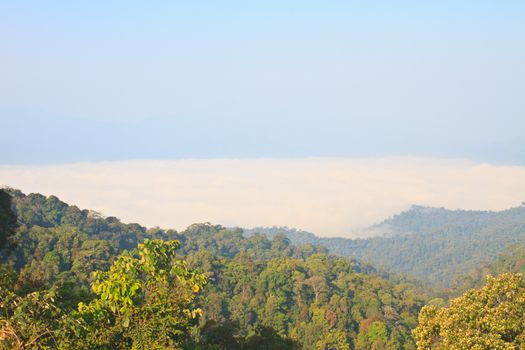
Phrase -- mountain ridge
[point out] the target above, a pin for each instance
(434, 245)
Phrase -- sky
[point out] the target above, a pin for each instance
(121, 80)
(327, 116)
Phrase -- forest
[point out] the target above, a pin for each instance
(74, 279)
(433, 245)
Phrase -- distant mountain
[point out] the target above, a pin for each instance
(423, 220)
(435, 245)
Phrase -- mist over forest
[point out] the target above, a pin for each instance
(74, 278)
(334, 197)
(262, 175)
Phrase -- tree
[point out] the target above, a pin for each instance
(486, 318)
(33, 321)
(261, 293)
(145, 300)
(7, 218)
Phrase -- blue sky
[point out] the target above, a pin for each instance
(95, 81)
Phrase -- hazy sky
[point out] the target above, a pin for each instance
(322, 115)
(119, 80)
(323, 195)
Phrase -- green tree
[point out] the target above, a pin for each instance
(486, 318)
(145, 301)
(7, 218)
(33, 322)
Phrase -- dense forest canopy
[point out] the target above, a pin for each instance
(488, 318)
(434, 245)
(71, 278)
(259, 291)
(7, 218)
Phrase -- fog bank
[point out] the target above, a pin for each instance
(329, 197)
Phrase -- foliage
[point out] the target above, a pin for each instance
(321, 302)
(488, 318)
(76, 279)
(7, 218)
(33, 321)
(510, 260)
(434, 245)
(145, 300)
(260, 292)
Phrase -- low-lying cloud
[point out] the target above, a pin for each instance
(330, 197)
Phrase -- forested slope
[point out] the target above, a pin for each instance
(434, 245)
(510, 260)
(260, 293)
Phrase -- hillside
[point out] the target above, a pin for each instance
(65, 270)
(260, 293)
(434, 245)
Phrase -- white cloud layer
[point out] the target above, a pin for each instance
(330, 197)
